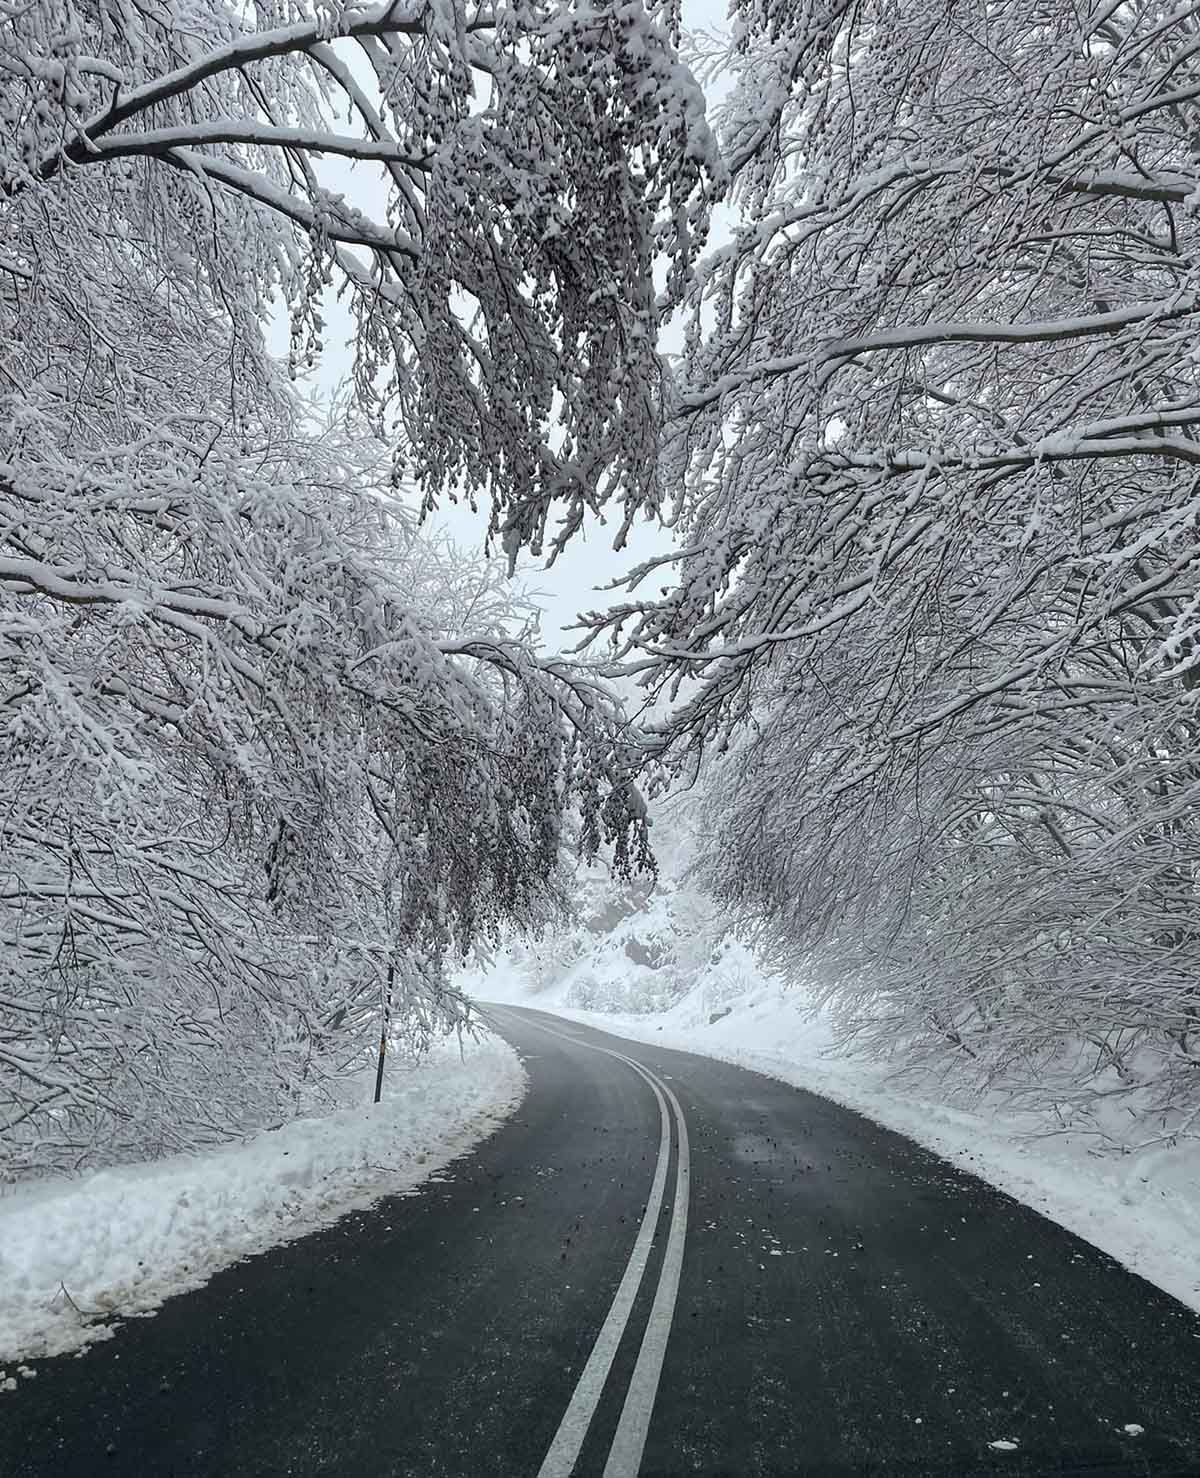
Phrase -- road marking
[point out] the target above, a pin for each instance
(559, 1461)
(625, 1455)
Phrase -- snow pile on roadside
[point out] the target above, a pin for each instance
(120, 1241)
(1141, 1207)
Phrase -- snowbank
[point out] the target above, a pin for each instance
(120, 1241)
(1143, 1208)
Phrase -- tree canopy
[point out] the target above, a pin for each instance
(259, 749)
(932, 451)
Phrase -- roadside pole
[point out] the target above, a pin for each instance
(383, 1030)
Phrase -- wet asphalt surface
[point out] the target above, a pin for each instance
(848, 1304)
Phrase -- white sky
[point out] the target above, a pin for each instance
(574, 582)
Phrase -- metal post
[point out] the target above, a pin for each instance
(383, 1031)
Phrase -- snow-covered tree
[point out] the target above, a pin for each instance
(531, 166)
(257, 756)
(933, 448)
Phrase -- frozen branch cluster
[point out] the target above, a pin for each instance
(259, 745)
(934, 452)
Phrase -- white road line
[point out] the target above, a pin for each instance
(625, 1455)
(560, 1459)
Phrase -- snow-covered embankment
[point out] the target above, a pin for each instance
(120, 1241)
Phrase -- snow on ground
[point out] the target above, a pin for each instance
(1142, 1208)
(120, 1241)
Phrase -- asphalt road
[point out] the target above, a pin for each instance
(675, 1268)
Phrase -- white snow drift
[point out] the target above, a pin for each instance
(120, 1241)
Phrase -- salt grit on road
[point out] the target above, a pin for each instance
(117, 1242)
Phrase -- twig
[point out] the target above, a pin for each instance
(85, 1314)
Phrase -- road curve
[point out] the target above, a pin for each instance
(661, 1265)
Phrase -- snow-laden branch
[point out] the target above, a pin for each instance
(160, 141)
(828, 356)
(327, 216)
(389, 18)
(262, 752)
(933, 456)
